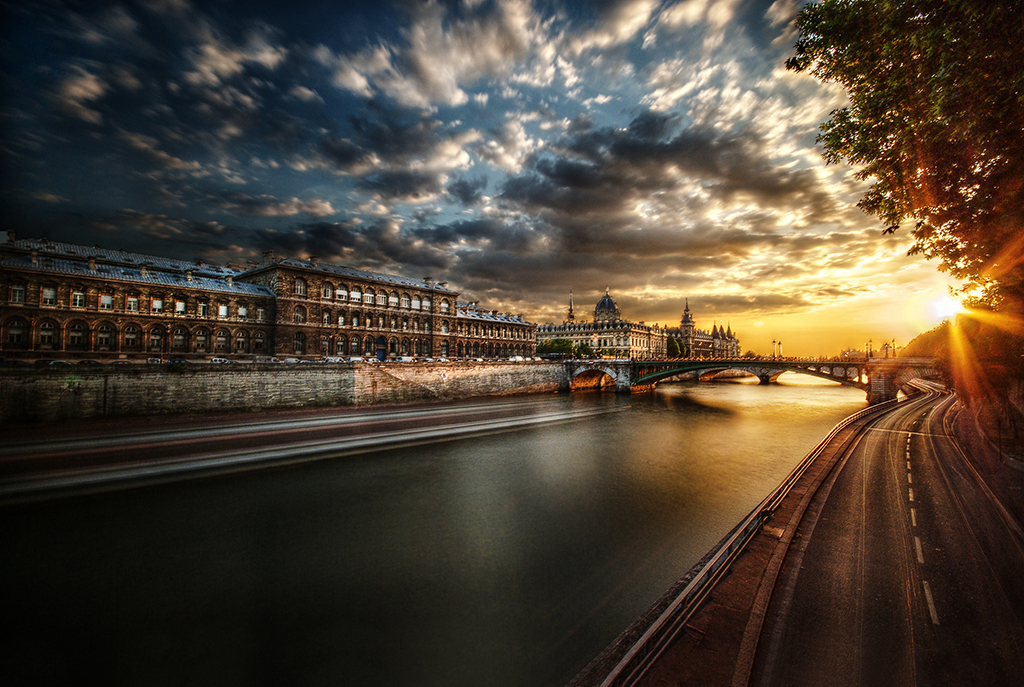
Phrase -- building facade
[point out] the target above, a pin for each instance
(69, 301)
(720, 342)
(609, 334)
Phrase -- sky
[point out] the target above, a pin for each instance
(517, 150)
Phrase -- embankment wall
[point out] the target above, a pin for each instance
(51, 394)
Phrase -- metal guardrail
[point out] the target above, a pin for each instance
(660, 634)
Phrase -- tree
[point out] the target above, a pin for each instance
(672, 348)
(935, 117)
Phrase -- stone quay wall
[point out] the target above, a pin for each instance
(55, 393)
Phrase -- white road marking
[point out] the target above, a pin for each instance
(911, 494)
(910, 478)
(920, 553)
(931, 602)
(913, 517)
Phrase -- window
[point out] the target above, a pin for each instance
(222, 310)
(426, 304)
(77, 299)
(341, 318)
(131, 337)
(258, 342)
(203, 309)
(202, 340)
(355, 319)
(240, 342)
(243, 312)
(131, 304)
(328, 290)
(156, 338)
(221, 342)
(179, 339)
(15, 333)
(368, 298)
(415, 302)
(104, 334)
(106, 301)
(49, 296)
(327, 317)
(393, 300)
(179, 307)
(300, 287)
(261, 314)
(444, 306)
(382, 299)
(299, 314)
(405, 324)
(405, 300)
(342, 293)
(76, 334)
(46, 334)
(17, 294)
(299, 343)
(444, 348)
(355, 295)
(157, 305)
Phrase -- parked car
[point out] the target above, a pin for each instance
(289, 360)
(218, 360)
(353, 359)
(89, 362)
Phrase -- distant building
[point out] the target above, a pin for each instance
(720, 342)
(608, 334)
(71, 301)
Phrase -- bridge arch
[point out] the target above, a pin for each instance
(766, 372)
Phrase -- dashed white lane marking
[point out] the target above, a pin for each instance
(931, 602)
(911, 491)
(913, 517)
(910, 478)
(908, 464)
(920, 553)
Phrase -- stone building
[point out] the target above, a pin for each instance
(720, 342)
(608, 333)
(64, 300)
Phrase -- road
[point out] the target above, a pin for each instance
(906, 571)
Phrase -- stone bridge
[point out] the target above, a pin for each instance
(880, 378)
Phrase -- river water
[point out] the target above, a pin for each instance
(508, 560)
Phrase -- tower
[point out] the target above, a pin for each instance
(570, 317)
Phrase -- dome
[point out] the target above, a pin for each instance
(606, 309)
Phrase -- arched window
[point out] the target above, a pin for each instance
(299, 314)
(202, 340)
(355, 295)
(220, 342)
(299, 343)
(392, 300)
(132, 340)
(15, 334)
(156, 339)
(241, 342)
(444, 349)
(259, 342)
(382, 299)
(445, 306)
(179, 339)
(300, 287)
(341, 318)
(444, 326)
(354, 344)
(78, 336)
(104, 336)
(327, 317)
(405, 301)
(368, 297)
(328, 290)
(405, 346)
(47, 334)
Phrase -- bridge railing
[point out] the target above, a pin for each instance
(660, 634)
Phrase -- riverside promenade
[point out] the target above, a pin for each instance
(719, 643)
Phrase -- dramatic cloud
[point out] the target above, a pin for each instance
(516, 149)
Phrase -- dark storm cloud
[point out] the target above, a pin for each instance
(469, 192)
(402, 185)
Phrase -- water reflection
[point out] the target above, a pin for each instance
(508, 559)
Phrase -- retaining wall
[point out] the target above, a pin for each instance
(78, 392)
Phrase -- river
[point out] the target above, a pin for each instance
(509, 560)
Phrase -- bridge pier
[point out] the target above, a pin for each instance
(764, 379)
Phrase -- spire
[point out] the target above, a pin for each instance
(571, 317)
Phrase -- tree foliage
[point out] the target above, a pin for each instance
(936, 119)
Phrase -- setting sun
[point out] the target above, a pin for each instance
(947, 307)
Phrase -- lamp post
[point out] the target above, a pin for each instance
(774, 349)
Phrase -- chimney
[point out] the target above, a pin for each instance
(251, 264)
(188, 275)
(10, 236)
(268, 257)
(92, 264)
(443, 284)
(35, 256)
(313, 260)
(142, 269)
(426, 280)
(230, 280)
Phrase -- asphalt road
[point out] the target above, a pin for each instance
(907, 572)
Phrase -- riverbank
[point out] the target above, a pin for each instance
(716, 647)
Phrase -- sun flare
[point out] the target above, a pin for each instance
(947, 307)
